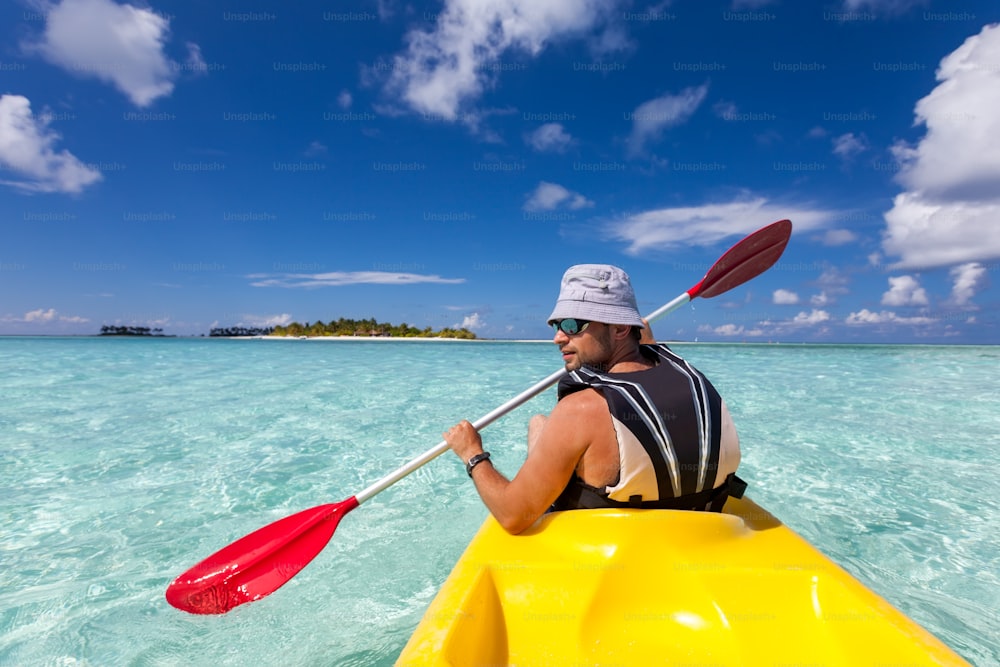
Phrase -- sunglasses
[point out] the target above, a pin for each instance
(570, 326)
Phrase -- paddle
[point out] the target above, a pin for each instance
(261, 562)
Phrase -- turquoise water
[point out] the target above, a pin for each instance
(125, 461)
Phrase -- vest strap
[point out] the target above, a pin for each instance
(578, 495)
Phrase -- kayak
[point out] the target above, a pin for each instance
(644, 587)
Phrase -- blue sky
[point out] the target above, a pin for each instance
(187, 165)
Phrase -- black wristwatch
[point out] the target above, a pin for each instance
(476, 460)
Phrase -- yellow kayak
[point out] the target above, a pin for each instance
(660, 587)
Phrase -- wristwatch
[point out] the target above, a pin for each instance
(476, 460)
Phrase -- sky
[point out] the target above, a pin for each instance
(185, 165)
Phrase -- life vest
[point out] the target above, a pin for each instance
(677, 444)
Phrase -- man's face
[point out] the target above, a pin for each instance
(590, 347)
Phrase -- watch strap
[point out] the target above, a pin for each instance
(476, 460)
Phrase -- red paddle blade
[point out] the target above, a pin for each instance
(259, 563)
(749, 258)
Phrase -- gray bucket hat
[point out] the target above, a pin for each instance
(596, 292)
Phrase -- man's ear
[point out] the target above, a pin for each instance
(621, 331)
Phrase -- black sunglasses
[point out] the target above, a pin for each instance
(570, 326)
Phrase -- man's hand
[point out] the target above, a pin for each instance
(464, 440)
(647, 334)
(557, 444)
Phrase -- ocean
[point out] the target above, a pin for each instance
(126, 461)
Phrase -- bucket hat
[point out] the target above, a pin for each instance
(597, 293)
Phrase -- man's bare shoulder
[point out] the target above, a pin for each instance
(571, 425)
(576, 423)
(581, 404)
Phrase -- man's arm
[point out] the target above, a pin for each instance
(516, 504)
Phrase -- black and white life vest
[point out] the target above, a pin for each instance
(677, 444)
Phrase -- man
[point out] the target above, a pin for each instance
(635, 425)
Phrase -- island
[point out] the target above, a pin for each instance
(370, 328)
(110, 330)
(345, 327)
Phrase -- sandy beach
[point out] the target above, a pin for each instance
(392, 339)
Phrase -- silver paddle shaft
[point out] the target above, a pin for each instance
(490, 417)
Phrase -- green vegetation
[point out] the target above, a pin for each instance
(369, 327)
(232, 332)
(110, 330)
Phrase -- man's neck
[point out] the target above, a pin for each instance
(628, 359)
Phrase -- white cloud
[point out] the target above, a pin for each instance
(315, 149)
(265, 320)
(927, 234)
(551, 137)
(726, 110)
(848, 146)
(118, 44)
(817, 319)
(783, 297)
(948, 213)
(40, 315)
(968, 279)
(386, 9)
(832, 281)
(815, 316)
(548, 196)
(195, 62)
(472, 322)
(728, 330)
(905, 291)
(836, 237)
(344, 99)
(340, 278)
(866, 317)
(26, 147)
(445, 69)
(731, 330)
(820, 299)
(706, 225)
(45, 316)
(651, 118)
(887, 6)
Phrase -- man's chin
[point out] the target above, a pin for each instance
(573, 365)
